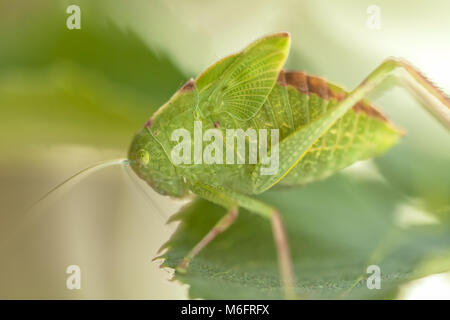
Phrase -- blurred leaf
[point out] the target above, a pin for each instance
(336, 229)
(420, 174)
(418, 166)
(98, 46)
(94, 86)
(66, 105)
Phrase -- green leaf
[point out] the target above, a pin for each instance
(99, 46)
(95, 86)
(336, 229)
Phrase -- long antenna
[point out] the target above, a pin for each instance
(77, 177)
(60, 188)
(70, 182)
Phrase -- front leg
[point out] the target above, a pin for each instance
(222, 225)
(231, 201)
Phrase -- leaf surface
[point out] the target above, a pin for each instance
(336, 229)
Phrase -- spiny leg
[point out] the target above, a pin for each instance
(296, 145)
(218, 228)
(224, 197)
(434, 100)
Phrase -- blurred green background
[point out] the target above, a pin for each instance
(70, 98)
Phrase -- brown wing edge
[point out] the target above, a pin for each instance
(307, 84)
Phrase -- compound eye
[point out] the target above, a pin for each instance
(142, 157)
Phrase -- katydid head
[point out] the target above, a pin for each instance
(150, 149)
(151, 163)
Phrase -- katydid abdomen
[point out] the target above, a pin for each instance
(362, 133)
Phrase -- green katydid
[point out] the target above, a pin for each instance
(321, 129)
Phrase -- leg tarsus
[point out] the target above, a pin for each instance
(218, 228)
